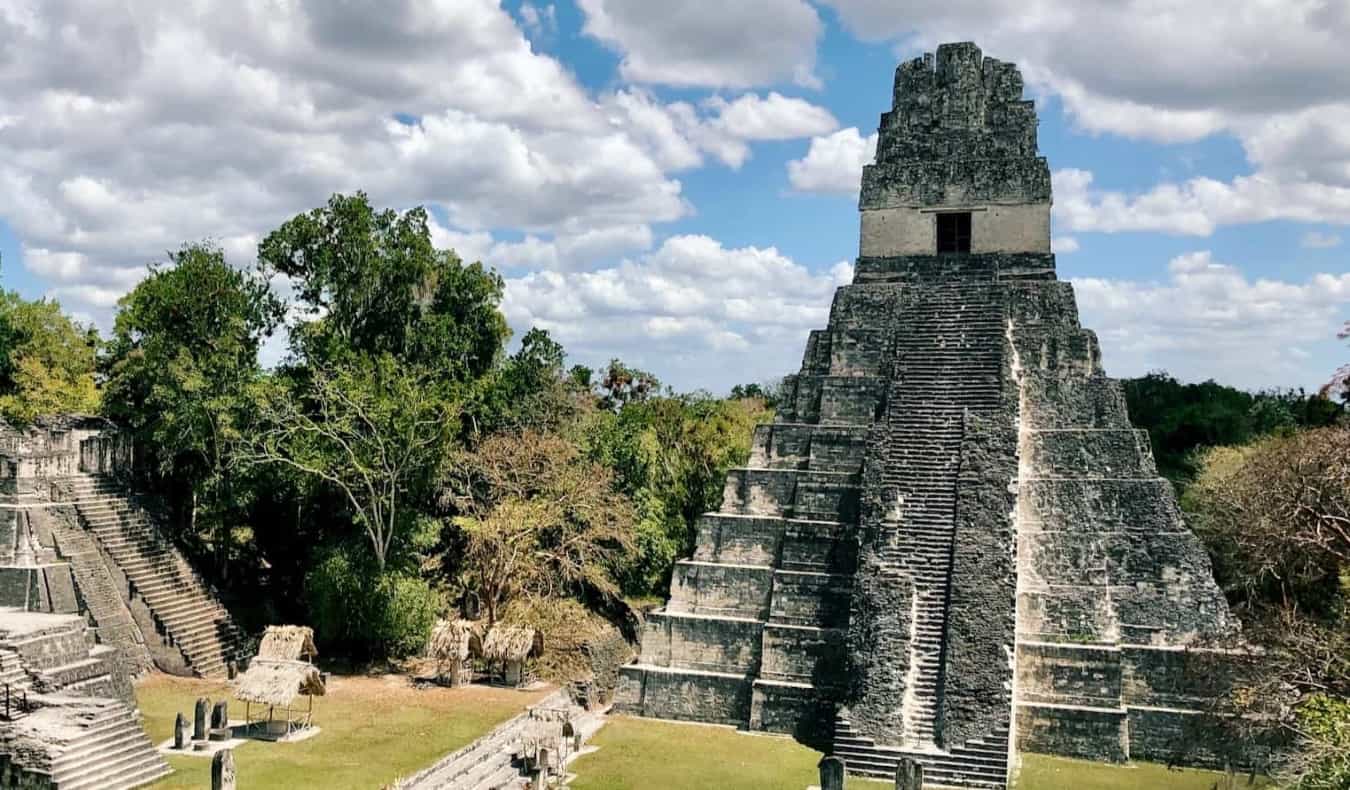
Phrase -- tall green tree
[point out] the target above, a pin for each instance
(46, 360)
(371, 282)
(373, 429)
(1184, 418)
(528, 390)
(670, 455)
(180, 362)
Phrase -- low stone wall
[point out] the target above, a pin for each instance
(792, 710)
(720, 590)
(1088, 733)
(687, 696)
(701, 643)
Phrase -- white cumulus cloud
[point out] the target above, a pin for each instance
(709, 42)
(833, 163)
(713, 315)
(1210, 320)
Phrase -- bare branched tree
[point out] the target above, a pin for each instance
(537, 518)
(375, 432)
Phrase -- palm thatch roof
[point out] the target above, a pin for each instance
(512, 643)
(288, 643)
(270, 681)
(454, 640)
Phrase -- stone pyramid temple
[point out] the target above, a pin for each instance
(950, 544)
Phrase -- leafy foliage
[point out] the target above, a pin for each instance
(372, 283)
(537, 518)
(179, 365)
(1181, 418)
(671, 455)
(1275, 516)
(622, 385)
(368, 612)
(46, 360)
(372, 429)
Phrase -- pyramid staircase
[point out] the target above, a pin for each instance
(101, 747)
(100, 595)
(947, 362)
(183, 604)
(493, 761)
(979, 762)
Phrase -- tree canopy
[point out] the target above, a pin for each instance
(46, 360)
(371, 282)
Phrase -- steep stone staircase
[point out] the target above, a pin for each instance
(99, 592)
(948, 361)
(183, 605)
(72, 744)
(491, 762)
(979, 762)
(112, 752)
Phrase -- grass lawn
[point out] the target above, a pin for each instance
(640, 753)
(375, 729)
(1041, 772)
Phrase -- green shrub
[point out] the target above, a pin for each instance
(365, 613)
(1324, 759)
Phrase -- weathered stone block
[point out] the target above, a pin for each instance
(820, 546)
(1079, 452)
(720, 590)
(803, 654)
(1086, 733)
(714, 698)
(741, 540)
(1069, 674)
(701, 643)
(849, 400)
(808, 598)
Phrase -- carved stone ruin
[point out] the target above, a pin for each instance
(542, 769)
(180, 731)
(220, 722)
(950, 544)
(909, 775)
(199, 720)
(831, 773)
(222, 770)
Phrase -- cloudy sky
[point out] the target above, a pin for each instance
(675, 183)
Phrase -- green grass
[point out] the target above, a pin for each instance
(1041, 772)
(375, 729)
(639, 753)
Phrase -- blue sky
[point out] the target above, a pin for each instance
(675, 183)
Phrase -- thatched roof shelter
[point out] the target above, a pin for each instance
(277, 683)
(512, 643)
(288, 643)
(454, 640)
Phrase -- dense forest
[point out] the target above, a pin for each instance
(400, 463)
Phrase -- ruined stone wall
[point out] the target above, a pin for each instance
(1111, 585)
(752, 633)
